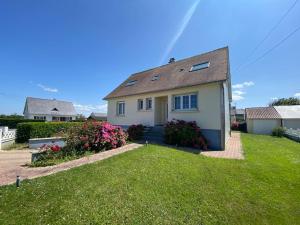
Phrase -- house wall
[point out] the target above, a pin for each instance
(48, 117)
(260, 126)
(291, 123)
(208, 115)
(227, 128)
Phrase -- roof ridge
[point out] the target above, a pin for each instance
(47, 99)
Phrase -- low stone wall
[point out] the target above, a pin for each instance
(36, 143)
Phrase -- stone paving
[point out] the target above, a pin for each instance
(233, 149)
(12, 163)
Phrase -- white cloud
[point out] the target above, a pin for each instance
(236, 97)
(48, 89)
(297, 95)
(185, 21)
(274, 98)
(90, 108)
(238, 92)
(243, 85)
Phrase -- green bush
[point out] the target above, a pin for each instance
(25, 131)
(278, 132)
(135, 132)
(13, 122)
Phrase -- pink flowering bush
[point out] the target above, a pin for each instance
(180, 132)
(96, 136)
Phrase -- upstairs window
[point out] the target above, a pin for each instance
(155, 77)
(120, 108)
(148, 103)
(130, 83)
(199, 66)
(140, 104)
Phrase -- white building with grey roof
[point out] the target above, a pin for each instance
(49, 109)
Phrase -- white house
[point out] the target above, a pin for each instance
(193, 89)
(262, 120)
(49, 110)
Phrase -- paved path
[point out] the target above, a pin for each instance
(12, 163)
(233, 149)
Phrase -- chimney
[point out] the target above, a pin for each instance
(171, 60)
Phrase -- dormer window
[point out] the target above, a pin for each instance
(155, 77)
(130, 83)
(55, 109)
(200, 66)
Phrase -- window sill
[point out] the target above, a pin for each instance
(145, 110)
(185, 110)
(120, 115)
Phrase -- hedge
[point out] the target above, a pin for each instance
(13, 122)
(26, 131)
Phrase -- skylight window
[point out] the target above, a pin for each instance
(54, 109)
(199, 66)
(155, 77)
(130, 83)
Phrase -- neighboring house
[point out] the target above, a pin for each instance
(98, 116)
(49, 110)
(237, 115)
(193, 89)
(262, 120)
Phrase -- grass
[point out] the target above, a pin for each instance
(160, 185)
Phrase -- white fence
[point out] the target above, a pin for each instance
(6, 136)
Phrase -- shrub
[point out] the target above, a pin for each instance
(95, 136)
(13, 122)
(184, 133)
(135, 132)
(278, 132)
(25, 131)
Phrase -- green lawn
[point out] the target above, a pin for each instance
(159, 185)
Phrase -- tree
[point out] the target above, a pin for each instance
(285, 101)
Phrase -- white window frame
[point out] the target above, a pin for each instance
(140, 104)
(147, 103)
(122, 110)
(201, 66)
(181, 96)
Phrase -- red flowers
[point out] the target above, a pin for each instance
(55, 148)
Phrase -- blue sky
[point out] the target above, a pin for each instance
(81, 50)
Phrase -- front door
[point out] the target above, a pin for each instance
(161, 110)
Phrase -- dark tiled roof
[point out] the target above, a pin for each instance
(262, 113)
(177, 74)
(49, 107)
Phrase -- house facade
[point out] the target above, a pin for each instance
(49, 110)
(262, 120)
(194, 89)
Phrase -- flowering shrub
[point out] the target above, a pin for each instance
(184, 133)
(135, 132)
(95, 136)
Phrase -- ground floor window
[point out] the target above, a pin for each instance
(39, 117)
(148, 103)
(140, 104)
(185, 102)
(61, 118)
(120, 108)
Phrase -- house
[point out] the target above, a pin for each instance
(237, 115)
(262, 120)
(98, 116)
(49, 110)
(193, 89)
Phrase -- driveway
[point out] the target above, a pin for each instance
(11, 163)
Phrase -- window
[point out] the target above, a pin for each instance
(155, 77)
(194, 101)
(130, 83)
(140, 104)
(39, 117)
(148, 103)
(177, 100)
(120, 108)
(185, 102)
(200, 66)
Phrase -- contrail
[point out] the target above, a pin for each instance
(186, 19)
